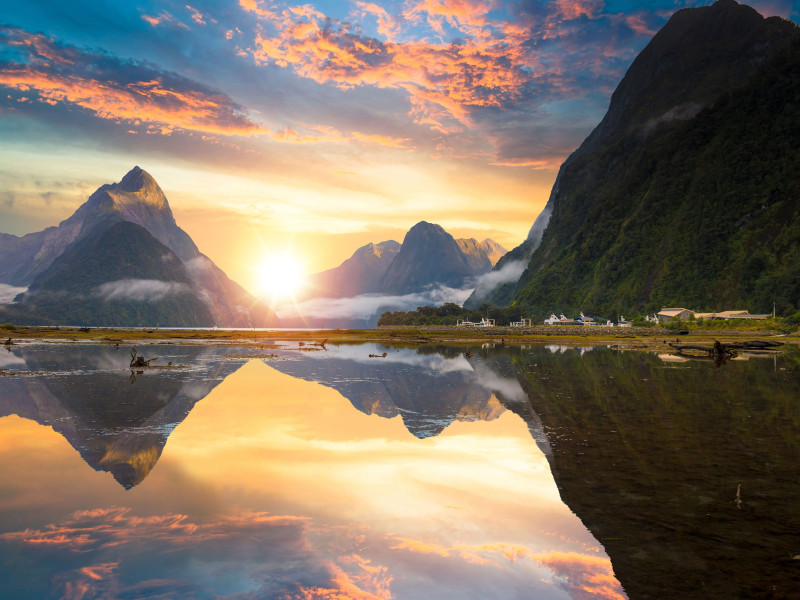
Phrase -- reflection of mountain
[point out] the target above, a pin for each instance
(428, 387)
(649, 456)
(116, 425)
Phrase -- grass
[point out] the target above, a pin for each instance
(634, 338)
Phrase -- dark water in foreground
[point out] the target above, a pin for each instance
(539, 472)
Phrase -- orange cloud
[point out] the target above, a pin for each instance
(388, 25)
(165, 18)
(444, 80)
(120, 91)
(420, 547)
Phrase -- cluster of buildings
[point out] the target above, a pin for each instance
(665, 315)
(491, 323)
(584, 320)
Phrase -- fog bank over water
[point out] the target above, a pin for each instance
(364, 310)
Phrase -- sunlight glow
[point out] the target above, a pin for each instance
(281, 276)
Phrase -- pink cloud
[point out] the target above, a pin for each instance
(773, 8)
(574, 9)
(639, 25)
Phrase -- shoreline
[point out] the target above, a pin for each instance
(632, 338)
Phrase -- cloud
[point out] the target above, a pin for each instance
(772, 8)
(143, 97)
(575, 9)
(369, 305)
(508, 273)
(442, 79)
(148, 290)
(9, 292)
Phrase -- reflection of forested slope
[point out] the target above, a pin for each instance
(116, 424)
(650, 456)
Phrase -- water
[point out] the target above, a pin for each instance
(289, 472)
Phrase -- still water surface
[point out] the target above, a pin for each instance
(282, 472)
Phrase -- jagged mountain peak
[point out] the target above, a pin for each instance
(378, 250)
(696, 56)
(137, 179)
(138, 192)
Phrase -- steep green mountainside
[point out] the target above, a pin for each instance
(698, 55)
(704, 215)
(119, 276)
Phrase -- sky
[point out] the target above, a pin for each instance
(308, 130)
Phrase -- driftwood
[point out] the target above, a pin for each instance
(140, 361)
(718, 352)
(384, 355)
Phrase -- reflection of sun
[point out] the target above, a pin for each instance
(281, 276)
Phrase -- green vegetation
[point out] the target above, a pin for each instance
(705, 214)
(450, 313)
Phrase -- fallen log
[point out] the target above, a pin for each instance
(717, 351)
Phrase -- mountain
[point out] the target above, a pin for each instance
(373, 269)
(430, 256)
(139, 200)
(120, 275)
(359, 274)
(684, 193)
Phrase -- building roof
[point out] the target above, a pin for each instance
(673, 312)
(727, 313)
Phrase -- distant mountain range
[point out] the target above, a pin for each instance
(428, 256)
(687, 192)
(122, 260)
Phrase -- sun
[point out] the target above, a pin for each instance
(281, 276)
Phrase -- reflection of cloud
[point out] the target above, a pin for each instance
(585, 577)
(151, 290)
(165, 553)
(8, 359)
